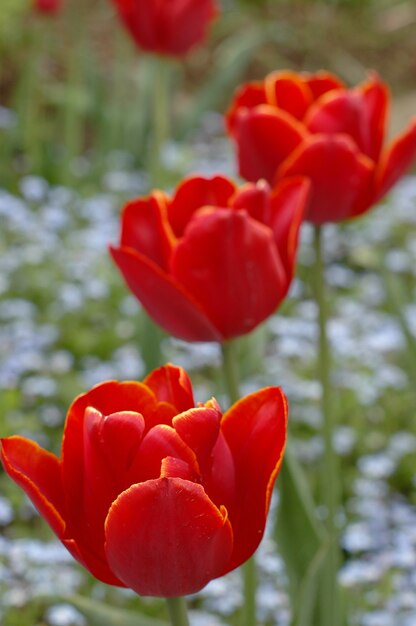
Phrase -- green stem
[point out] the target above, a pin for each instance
(177, 611)
(230, 369)
(330, 474)
(151, 336)
(160, 116)
(73, 114)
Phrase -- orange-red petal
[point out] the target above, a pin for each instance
(359, 113)
(166, 538)
(171, 384)
(339, 173)
(322, 82)
(109, 397)
(169, 28)
(219, 479)
(255, 431)
(160, 442)
(166, 301)
(145, 228)
(265, 137)
(196, 192)
(396, 159)
(83, 554)
(255, 199)
(199, 429)
(288, 207)
(230, 265)
(247, 96)
(289, 92)
(38, 473)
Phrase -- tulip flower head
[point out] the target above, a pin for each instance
(312, 125)
(151, 492)
(47, 6)
(213, 261)
(167, 27)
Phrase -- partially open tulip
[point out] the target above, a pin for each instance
(167, 27)
(151, 492)
(212, 261)
(47, 6)
(313, 125)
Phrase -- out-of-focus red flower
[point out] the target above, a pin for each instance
(151, 492)
(47, 6)
(213, 261)
(313, 125)
(167, 27)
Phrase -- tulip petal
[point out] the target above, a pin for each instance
(109, 447)
(219, 478)
(289, 92)
(322, 82)
(145, 228)
(166, 538)
(230, 264)
(396, 159)
(196, 192)
(199, 429)
(265, 137)
(247, 96)
(359, 113)
(339, 173)
(255, 431)
(171, 384)
(38, 473)
(287, 209)
(160, 442)
(164, 299)
(185, 23)
(255, 199)
(172, 467)
(107, 398)
(99, 569)
(111, 444)
(171, 28)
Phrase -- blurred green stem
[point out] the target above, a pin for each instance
(230, 369)
(160, 116)
(177, 611)
(74, 109)
(330, 475)
(151, 337)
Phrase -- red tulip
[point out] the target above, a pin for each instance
(151, 492)
(47, 6)
(213, 261)
(312, 125)
(167, 27)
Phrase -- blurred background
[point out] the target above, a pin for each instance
(74, 143)
(73, 85)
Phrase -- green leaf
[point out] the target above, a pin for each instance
(308, 590)
(300, 536)
(304, 545)
(99, 614)
(397, 300)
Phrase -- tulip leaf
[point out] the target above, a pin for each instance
(306, 601)
(99, 614)
(397, 301)
(303, 542)
(299, 534)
